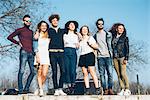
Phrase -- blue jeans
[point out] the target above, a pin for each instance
(24, 58)
(105, 63)
(70, 58)
(35, 45)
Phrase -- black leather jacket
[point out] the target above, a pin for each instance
(120, 47)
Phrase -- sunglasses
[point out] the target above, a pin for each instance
(100, 24)
(28, 21)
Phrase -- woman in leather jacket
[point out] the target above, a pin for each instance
(120, 46)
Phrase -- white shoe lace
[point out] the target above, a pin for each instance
(61, 92)
(41, 92)
(36, 92)
(56, 93)
(121, 92)
(127, 92)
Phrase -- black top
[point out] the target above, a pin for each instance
(56, 38)
(120, 47)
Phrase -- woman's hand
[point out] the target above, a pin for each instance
(37, 58)
(79, 35)
(37, 34)
(77, 45)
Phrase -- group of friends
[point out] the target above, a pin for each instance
(52, 46)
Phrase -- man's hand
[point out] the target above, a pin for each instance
(20, 44)
(125, 61)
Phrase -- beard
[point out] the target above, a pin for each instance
(26, 25)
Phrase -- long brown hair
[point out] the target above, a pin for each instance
(87, 28)
(46, 32)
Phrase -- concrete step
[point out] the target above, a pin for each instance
(74, 97)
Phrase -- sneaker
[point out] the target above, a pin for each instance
(127, 92)
(121, 93)
(41, 93)
(61, 92)
(56, 92)
(36, 92)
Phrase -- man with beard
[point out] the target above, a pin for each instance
(104, 57)
(25, 36)
(56, 53)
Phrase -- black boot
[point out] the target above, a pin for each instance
(97, 92)
(72, 88)
(87, 91)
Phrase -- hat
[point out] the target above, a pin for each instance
(75, 23)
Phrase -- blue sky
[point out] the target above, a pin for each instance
(134, 14)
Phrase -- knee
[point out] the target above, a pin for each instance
(123, 75)
(85, 74)
(39, 72)
(44, 75)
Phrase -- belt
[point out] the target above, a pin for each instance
(56, 50)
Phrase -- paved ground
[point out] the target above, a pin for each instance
(77, 97)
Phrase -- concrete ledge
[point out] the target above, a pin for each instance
(72, 97)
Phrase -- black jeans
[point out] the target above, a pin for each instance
(57, 58)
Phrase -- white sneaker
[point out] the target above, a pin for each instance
(121, 93)
(56, 92)
(61, 92)
(41, 93)
(127, 92)
(36, 92)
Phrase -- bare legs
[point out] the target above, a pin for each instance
(92, 71)
(42, 73)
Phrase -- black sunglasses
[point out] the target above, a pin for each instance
(100, 24)
(28, 21)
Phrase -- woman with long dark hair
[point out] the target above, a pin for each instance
(120, 45)
(71, 44)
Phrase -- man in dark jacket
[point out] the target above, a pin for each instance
(56, 52)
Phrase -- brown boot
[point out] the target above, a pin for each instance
(106, 92)
(110, 92)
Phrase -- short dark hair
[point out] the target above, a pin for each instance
(100, 19)
(53, 16)
(26, 16)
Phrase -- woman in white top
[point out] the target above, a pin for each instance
(87, 58)
(42, 55)
(71, 43)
